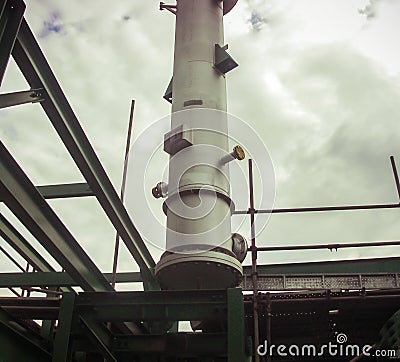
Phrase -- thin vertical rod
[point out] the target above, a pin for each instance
(28, 292)
(124, 173)
(254, 263)
(396, 175)
(251, 194)
(268, 325)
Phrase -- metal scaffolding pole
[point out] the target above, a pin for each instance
(122, 194)
(254, 276)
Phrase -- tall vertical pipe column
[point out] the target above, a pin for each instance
(198, 241)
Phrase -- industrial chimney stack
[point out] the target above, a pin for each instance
(201, 252)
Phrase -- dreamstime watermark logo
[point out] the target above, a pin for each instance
(198, 167)
(341, 338)
(333, 349)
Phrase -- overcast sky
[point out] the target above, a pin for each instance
(318, 81)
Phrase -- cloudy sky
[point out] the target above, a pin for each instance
(318, 81)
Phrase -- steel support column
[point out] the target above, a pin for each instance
(61, 351)
(236, 328)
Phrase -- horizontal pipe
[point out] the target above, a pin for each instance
(326, 246)
(317, 209)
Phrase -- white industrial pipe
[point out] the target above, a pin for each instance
(200, 251)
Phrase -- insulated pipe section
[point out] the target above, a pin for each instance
(196, 84)
(198, 207)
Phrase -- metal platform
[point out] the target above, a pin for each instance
(323, 281)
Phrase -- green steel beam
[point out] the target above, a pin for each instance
(16, 98)
(38, 73)
(92, 308)
(218, 306)
(236, 327)
(23, 199)
(184, 345)
(359, 266)
(62, 351)
(22, 246)
(15, 346)
(36, 279)
(125, 277)
(32, 308)
(62, 191)
(165, 297)
(57, 279)
(11, 14)
(100, 337)
(47, 333)
(155, 305)
(154, 313)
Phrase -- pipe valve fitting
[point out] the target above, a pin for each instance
(160, 190)
(236, 154)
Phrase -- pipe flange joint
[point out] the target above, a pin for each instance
(160, 190)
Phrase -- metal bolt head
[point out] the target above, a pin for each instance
(238, 153)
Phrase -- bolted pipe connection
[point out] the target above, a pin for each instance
(160, 190)
(236, 154)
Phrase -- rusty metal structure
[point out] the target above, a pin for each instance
(275, 304)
